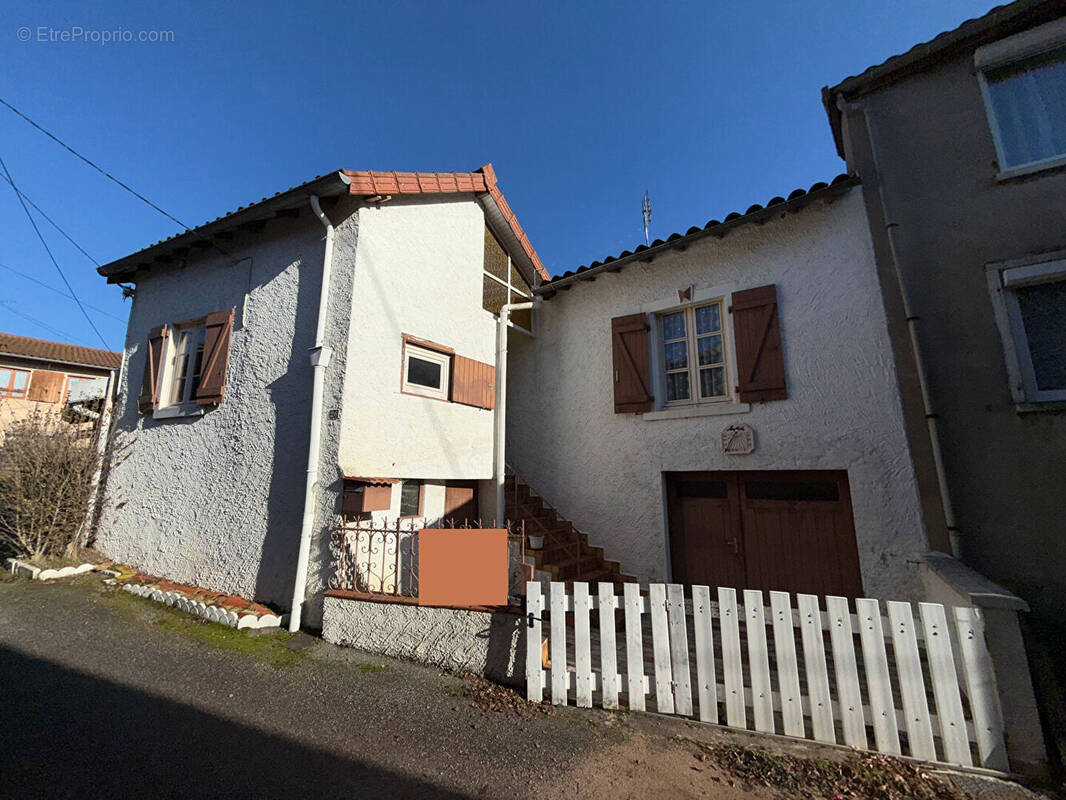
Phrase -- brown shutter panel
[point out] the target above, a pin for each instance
(149, 398)
(632, 381)
(760, 359)
(473, 383)
(217, 335)
(46, 386)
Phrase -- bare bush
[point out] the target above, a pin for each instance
(46, 469)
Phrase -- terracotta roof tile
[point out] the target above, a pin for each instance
(368, 182)
(58, 351)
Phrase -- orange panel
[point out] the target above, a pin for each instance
(466, 567)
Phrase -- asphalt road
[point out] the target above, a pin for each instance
(104, 694)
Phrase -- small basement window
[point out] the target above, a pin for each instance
(411, 499)
(426, 372)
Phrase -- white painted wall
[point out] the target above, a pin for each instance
(419, 272)
(603, 470)
(216, 500)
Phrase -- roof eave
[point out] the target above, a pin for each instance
(124, 269)
(839, 186)
(997, 23)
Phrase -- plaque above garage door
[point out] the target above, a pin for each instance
(789, 531)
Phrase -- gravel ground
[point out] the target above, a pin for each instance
(105, 694)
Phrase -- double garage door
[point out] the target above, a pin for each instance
(789, 531)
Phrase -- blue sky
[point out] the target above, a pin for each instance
(709, 106)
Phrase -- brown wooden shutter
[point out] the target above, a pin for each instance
(149, 398)
(473, 383)
(760, 359)
(218, 331)
(46, 386)
(632, 381)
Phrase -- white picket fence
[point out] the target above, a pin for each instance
(924, 689)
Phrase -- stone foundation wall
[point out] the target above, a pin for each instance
(488, 643)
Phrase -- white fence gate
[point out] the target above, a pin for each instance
(922, 688)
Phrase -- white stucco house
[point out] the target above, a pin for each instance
(720, 407)
(333, 345)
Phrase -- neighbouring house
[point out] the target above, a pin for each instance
(961, 147)
(43, 377)
(237, 461)
(721, 408)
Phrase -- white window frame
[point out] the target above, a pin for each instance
(693, 368)
(1037, 41)
(435, 357)
(169, 405)
(1003, 278)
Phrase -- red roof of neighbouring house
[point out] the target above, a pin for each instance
(481, 182)
(58, 352)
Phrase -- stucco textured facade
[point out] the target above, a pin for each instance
(216, 500)
(490, 644)
(603, 471)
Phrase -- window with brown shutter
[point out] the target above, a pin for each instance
(218, 332)
(473, 383)
(362, 497)
(149, 398)
(760, 359)
(46, 386)
(632, 382)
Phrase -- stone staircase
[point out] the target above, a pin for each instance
(567, 555)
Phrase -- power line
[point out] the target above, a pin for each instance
(48, 250)
(54, 331)
(58, 291)
(98, 168)
(51, 222)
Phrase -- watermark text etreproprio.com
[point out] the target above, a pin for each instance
(77, 33)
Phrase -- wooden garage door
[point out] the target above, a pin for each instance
(791, 531)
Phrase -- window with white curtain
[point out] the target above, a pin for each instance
(1026, 102)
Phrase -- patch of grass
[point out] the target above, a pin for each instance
(372, 668)
(268, 647)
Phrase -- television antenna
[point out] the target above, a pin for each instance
(646, 208)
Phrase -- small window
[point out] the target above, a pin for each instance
(426, 372)
(81, 388)
(411, 499)
(693, 353)
(184, 364)
(1031, 303)
(1026, 102)
(13, 382)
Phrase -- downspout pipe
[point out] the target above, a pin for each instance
(500, 433)
(320, 358)
(913, 323)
